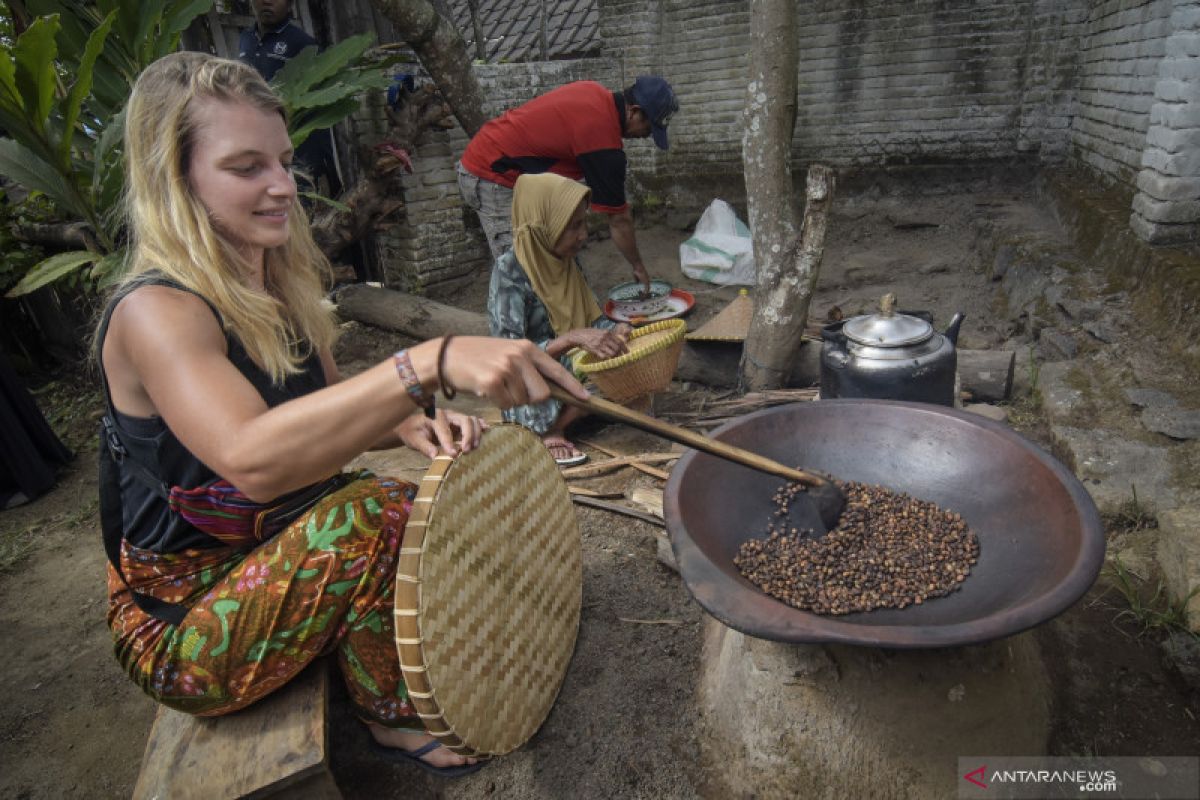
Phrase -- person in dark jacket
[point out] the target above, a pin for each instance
(270, 43)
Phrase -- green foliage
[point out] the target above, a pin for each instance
(66, 140)
(321, 88)
(17, 257)
(63, 87)
(1152, 610)
(1129, 517)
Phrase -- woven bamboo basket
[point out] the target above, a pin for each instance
(648, 366)
(489, 588)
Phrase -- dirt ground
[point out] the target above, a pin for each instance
(625, 724)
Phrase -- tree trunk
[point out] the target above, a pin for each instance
(443, 54)
(787, 267)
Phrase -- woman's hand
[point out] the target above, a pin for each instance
(509, 372)
(600, 343)
(428, 436)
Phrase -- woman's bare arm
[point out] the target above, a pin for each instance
(165, 355)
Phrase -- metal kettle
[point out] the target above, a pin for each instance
(891, 355)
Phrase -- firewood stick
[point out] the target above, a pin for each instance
(618, 509)
(584, 492)
(657, 473)
(592, 470)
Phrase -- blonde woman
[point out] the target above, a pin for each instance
(224, 397)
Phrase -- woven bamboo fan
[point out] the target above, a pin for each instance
(488, 593)
(731, 324)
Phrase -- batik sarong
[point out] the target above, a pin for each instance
(257, 618)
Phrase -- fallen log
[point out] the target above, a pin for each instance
(707, 363)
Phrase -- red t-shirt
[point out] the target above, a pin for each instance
(574, 131)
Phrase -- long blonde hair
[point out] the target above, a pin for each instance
(172, 232)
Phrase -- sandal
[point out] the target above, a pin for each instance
(565, 454)
(402, 756)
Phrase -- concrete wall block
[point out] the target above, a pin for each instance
(1166, 211)
(1185, 165)
(1175, 115)
(1159, 234)
(1177, 91)
(1186, 18)
(1181, 68)
(1172, 140)
(1165, 187)
(1180, 45)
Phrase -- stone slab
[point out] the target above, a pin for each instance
(1150, 398)
(1112, 468)
(1059, 400)
(1178, 423)
(989, 411)
(1179, 557)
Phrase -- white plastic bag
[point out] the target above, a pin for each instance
(720, 251)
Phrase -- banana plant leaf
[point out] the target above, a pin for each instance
(52, 269)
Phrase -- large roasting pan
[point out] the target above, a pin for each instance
(1041, 541)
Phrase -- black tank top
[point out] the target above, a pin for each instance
(148, 522)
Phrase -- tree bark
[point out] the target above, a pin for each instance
(787, 260)
(477, 29)
(443, 54)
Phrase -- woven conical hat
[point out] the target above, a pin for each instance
(731, 324)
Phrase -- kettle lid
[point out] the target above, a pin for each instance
(887, 328)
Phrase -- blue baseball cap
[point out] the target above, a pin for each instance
(654, 96)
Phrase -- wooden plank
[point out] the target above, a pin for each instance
(649, 499)
(278, 744)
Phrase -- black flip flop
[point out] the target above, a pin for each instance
(400, 756)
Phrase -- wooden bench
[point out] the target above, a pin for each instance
(277, 747)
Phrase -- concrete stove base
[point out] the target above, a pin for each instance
(833, 721)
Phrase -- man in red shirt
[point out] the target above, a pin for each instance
(575, 130)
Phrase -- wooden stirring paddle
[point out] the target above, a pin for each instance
(829, 499)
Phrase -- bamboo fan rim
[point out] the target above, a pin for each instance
(673, 328)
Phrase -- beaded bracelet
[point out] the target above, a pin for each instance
(412, 384)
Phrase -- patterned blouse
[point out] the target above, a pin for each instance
(516, 312)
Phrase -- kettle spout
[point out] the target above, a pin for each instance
(952, 329)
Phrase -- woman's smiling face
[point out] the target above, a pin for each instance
(240, 169)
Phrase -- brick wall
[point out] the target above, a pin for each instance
(1120, 47)
(1166, 208)
(884, 82)
(1112, 85)
(437, 244)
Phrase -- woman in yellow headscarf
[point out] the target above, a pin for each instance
(538, 293)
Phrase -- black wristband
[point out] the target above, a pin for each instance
(448, 391)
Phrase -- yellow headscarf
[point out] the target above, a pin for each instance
(542, 208)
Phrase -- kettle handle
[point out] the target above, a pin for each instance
(952, 329)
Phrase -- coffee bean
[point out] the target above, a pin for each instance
(889, 550)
